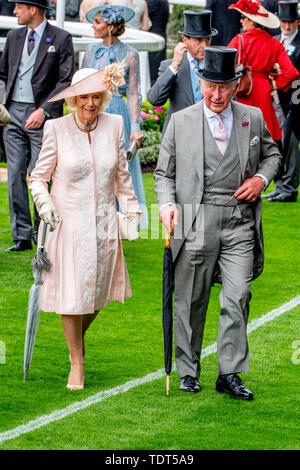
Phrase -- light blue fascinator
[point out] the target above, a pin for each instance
(111, 14)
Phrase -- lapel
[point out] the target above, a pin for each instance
(18, 49)
(185, 82)
(196, 140)
(240, 116)
(44, 46)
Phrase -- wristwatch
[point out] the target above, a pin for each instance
(45, 113)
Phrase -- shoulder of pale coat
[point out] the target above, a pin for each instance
(114, 119)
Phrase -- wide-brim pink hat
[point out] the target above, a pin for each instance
(89, 80)
(255, 11)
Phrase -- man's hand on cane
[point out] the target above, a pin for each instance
(169, 217)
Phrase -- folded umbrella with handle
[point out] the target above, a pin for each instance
(168, 287)
(39, 264)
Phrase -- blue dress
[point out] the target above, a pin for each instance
(98, 56)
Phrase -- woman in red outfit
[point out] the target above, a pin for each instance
(262, 52)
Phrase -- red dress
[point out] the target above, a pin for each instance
(263, 51)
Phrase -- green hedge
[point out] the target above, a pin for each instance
(149, 152)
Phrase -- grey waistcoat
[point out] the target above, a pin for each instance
(222, 174)
(23, 88)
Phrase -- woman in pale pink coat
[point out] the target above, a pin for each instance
(83, 153)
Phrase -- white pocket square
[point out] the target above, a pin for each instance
(254, 141)
(51, 49)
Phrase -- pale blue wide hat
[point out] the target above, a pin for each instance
(111, 14)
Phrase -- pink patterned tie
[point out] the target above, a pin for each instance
(220, 135)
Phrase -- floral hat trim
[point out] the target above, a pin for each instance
(255, 11)
(250, 7)
(112, 14)
(88, 80)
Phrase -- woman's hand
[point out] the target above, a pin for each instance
(47, 211)
(137, 136)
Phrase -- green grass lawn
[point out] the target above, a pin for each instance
(126, 342)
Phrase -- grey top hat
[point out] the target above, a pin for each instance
(219, 64)
(197, 24)
(37, 3)
(288, 11)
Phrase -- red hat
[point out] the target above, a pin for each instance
(254, 10)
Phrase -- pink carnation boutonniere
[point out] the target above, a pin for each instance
(245, 123)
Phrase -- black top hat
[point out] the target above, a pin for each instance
(219, 64)
(197, 24)
(37, 3)
(288, 11)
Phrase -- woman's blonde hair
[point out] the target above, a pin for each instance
(106, 97)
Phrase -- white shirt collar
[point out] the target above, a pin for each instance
(289, 38)
(210, 114)
(191, 58)
(39, 30)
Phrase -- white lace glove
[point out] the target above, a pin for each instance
(47, 211)
(4, 116)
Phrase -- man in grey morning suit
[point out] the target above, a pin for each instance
(215, 159)
(37, 63)
(177, 79)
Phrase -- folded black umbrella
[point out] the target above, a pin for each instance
(168, 287)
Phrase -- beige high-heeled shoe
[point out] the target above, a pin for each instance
(75, 386)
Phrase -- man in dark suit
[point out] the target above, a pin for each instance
(158, 11)
(226, 21)
(177, 80)
(37, 63)
(287, 112)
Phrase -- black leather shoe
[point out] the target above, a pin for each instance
(189, 384)
(20, 245)
(232, 384)
(282, 198)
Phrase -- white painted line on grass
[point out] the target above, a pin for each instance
(98, 397)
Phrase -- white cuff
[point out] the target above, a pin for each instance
(172, 70)
(167, 204)
(267, 182)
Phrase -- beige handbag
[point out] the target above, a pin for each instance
(128, 227)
